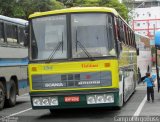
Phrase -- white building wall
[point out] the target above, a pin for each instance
(146, 18)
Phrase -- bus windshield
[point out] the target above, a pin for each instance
(95, 32)
(91, 36)
(47, 34)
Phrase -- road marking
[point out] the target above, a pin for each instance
(138, 111)
(25, 94)
(16, 113)
(20, 112)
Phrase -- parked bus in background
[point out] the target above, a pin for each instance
(13, 60)
(144, 62)
(81, 57)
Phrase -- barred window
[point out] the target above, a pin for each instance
(11, 32)
(21, 35)
(1, 33)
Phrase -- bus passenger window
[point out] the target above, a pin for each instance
(21, 35)
(1, 33)
(11, 32)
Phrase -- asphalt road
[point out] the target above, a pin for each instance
(136, 106)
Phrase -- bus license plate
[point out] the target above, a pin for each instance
(71, 99)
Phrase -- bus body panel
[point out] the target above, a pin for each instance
(81, 104)
(75, 67)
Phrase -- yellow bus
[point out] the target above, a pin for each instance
(80, 57)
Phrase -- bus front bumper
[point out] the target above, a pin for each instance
(74, 100)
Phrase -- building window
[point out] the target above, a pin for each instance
(149, 15)
(138, 24)
(137, 15)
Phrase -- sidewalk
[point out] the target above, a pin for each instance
(149, 108)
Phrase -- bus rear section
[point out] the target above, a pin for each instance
(80, 85)
(13, 60)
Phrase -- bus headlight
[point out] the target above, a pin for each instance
(54, 101)
(109, 98)
(45, 102)
(100, 98)
(36, 102)
(91, 99)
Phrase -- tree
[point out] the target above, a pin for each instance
(23, 8)
(120, 7)
(31, 6)
(6, 7)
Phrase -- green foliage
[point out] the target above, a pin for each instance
(23, 8)
(6, 7)
(120, 7)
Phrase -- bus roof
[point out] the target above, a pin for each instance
(14, 20)
(75, 10)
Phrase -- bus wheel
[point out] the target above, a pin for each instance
(2, 96)
(12, 95)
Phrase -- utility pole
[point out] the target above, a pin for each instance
(157, 68)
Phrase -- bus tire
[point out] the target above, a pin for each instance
(12, 95)
(2, 96)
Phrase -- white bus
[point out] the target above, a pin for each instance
(13, 60)
(144, 62)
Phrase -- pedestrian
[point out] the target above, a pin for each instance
(149, 80)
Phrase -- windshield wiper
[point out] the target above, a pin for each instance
(59, 45)
(83, 48)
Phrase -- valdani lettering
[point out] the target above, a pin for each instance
(89, 65)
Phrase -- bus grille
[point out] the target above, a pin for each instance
(74, 80)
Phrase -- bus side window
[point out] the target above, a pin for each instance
(133, 40)
(1, 33)
(126, 34)
(11, 33)
(122, 38)
(118, 28)
(21, 35)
